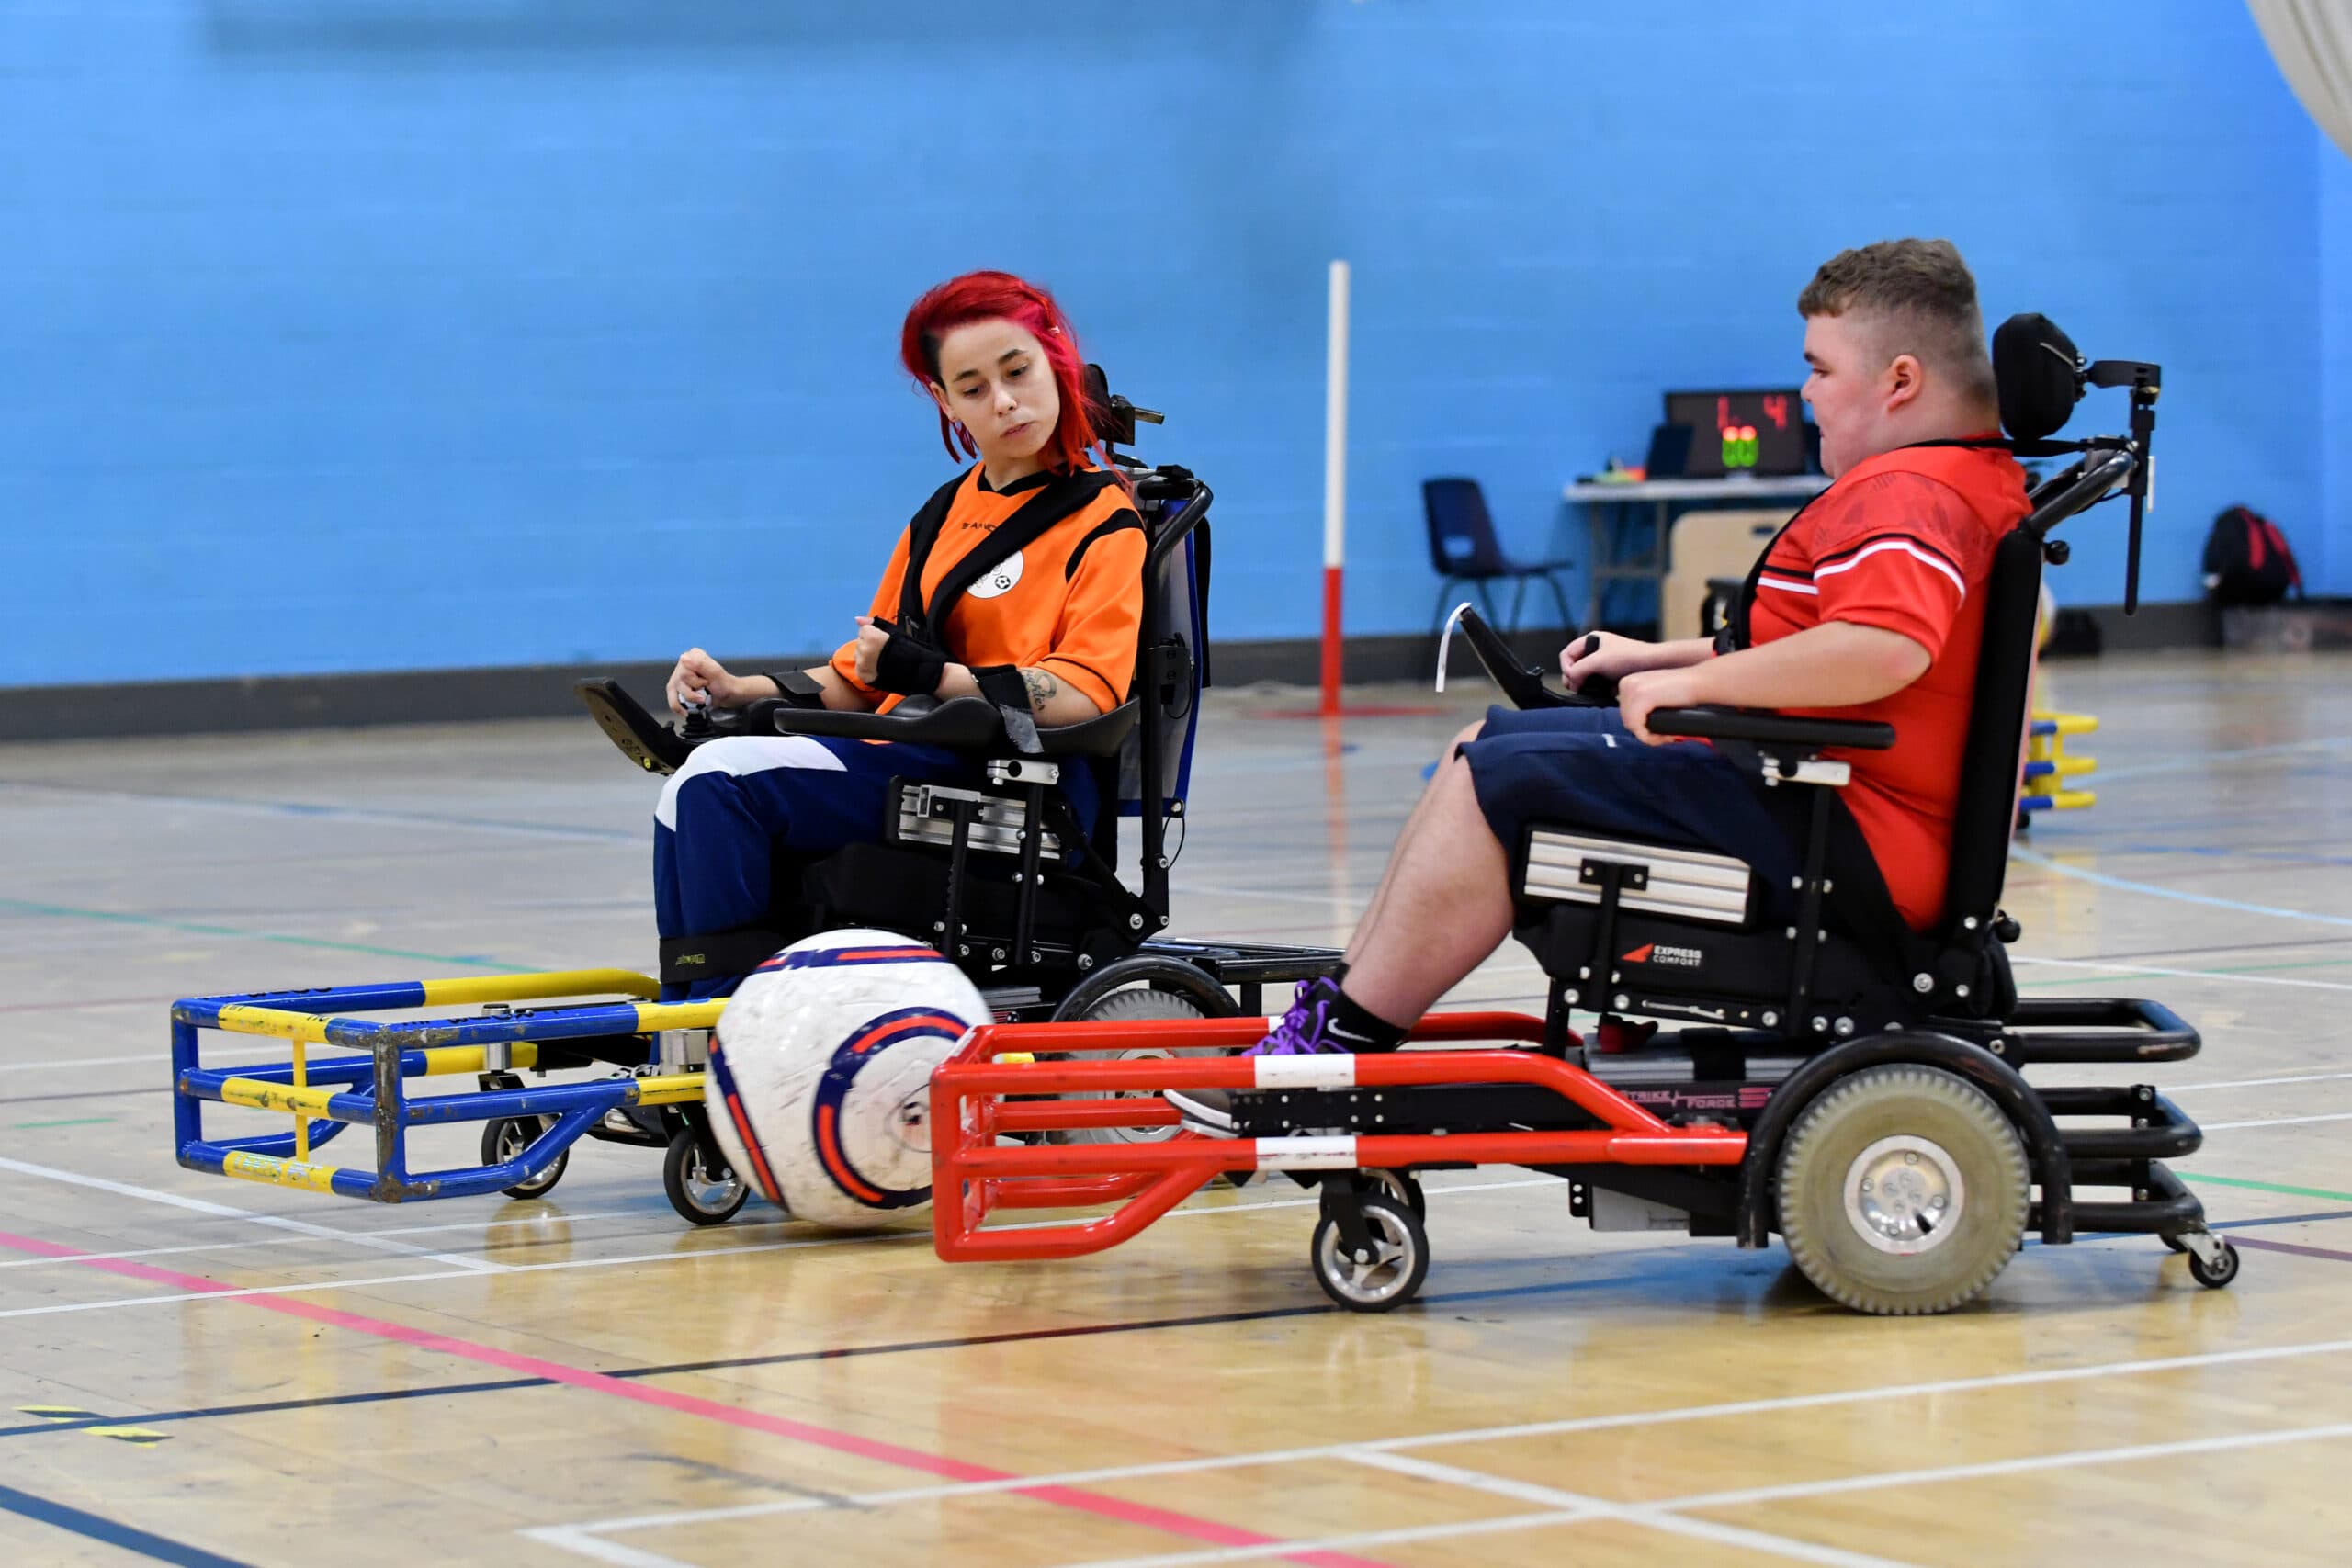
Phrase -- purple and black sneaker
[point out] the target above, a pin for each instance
(1307, 1030)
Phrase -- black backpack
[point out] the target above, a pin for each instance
(2247, 560)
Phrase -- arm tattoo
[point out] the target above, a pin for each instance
(1042, 689)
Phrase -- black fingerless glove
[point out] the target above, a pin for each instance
(908, 665)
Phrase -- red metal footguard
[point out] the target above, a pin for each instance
(973, 1099)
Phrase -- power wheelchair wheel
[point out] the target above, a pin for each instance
(2212, 1262)
(1128, 1006)
(1386, 1275)
(699, 1192)
(503, 1139)
(1902, 1191)
(1401, 1187)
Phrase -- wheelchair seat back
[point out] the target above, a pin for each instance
(1651, 928)
(1009, 908)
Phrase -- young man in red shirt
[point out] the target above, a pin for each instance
(1868, 605)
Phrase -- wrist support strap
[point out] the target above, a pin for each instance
(1004, 685)
(796, 689)
(908, 665)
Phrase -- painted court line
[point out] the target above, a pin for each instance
(1456, 1531)
(122, 1537)
(2030, 1464)
(566, 1539)
(2256, 1083)
(207, 1289)
(682, 1404)
(2099, 878)
(2276, 1122)
(1672, 1415)
(359, 814)
(240, 933)
(2207, 759)
(2192, 974)
(115, 1303)
(1569, 1508)
(296, 1240)
(72, 1064)
(2296, 1248)
(1576, 1505)
(274, 1221)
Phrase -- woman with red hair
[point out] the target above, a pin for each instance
(1020, 580)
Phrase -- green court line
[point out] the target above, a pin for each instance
(74, 1122)
(2264, 1186)
(198, 928)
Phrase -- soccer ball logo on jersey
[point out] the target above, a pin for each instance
(999, 579)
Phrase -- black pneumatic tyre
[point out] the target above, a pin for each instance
(508, 1135)
(1388, 1279)
(1902, 1191)
(1135, 1004)
(707, 1197)
(1399, 1186)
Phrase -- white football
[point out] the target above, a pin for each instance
(820, 1076)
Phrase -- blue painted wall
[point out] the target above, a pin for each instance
(363, 335)
(2323, 541)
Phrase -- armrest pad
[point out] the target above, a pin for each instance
(1711, 723)
(959, 724)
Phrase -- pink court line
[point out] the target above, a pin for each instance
(826, 1438)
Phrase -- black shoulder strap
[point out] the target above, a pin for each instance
(1734, 633)
(1054, 502)
(923, 532)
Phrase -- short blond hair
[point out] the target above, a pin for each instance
(1918, 297)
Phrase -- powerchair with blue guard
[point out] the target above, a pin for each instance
(1836, 1079)
(999, 876)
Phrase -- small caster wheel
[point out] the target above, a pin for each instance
(1402, 1187)
(700, 1193)
(1391, 1276)
(2218, 1273)
(507, 1137)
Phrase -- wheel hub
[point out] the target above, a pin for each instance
(709, 1194)
(1376, 1276)
(1905, 1195)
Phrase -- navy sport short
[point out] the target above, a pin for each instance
(1582, 768)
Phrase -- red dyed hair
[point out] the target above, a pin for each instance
(990, 296)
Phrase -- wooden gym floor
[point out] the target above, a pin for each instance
(203, 1372)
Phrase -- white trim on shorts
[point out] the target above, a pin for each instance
(740, 754)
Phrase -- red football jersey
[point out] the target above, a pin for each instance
(1903, 541)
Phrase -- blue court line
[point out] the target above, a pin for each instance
(368, 815)
(161, 1549)
(2100, 879)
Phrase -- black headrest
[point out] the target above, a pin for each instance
(2038, 374)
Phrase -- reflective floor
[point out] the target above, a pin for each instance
(202, 1372)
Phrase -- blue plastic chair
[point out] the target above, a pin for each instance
(1463, 549)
